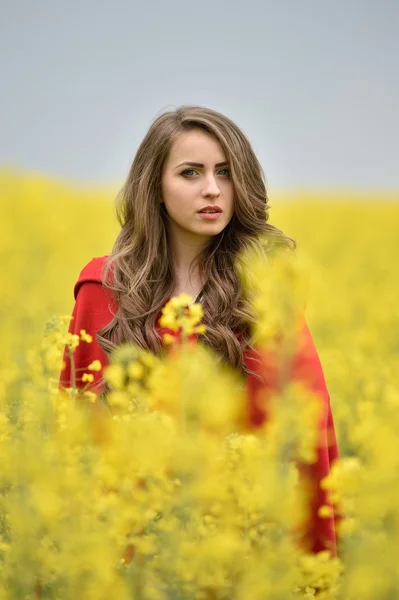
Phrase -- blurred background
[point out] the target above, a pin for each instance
(314, 85)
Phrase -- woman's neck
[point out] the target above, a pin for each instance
(184, 249)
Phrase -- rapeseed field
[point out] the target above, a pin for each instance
(164, 494)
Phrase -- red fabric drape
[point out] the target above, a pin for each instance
(92, 311)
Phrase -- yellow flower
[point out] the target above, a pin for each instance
(180, 314)
(180, 301)
(115, 375)
(200, 329)
(196, 311)
(135, 370)
(65, 319)
(72, 340)
(88, 377)
(95, 366)
(168, 339)
(90, 396)
(168, 319)
(325, 511)
(85, 337)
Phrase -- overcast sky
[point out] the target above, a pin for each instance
(314, 84)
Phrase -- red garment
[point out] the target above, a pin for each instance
(91, 312)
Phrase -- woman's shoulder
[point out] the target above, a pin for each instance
(91, 272)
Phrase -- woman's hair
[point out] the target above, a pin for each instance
(143, 279)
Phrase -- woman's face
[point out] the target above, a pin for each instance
(187, 189)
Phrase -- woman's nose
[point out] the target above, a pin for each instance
(211, 187)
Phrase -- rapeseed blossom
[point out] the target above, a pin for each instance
(181, 314)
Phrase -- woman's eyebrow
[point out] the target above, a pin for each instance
(196, 164)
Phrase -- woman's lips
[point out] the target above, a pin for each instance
(210, 216)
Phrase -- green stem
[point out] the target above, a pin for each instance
(73, 372)
(183, 403)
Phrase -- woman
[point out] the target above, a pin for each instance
(194, 198)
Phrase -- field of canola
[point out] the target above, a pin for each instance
(48, 232)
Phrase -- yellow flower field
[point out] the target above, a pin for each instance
(206, 506)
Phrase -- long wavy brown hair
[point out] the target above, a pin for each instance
(142, 275)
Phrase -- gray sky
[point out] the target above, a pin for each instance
(314, 84)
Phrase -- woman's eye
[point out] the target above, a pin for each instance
(187, 171)
(226, 169)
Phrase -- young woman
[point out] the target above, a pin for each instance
(194, 198)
